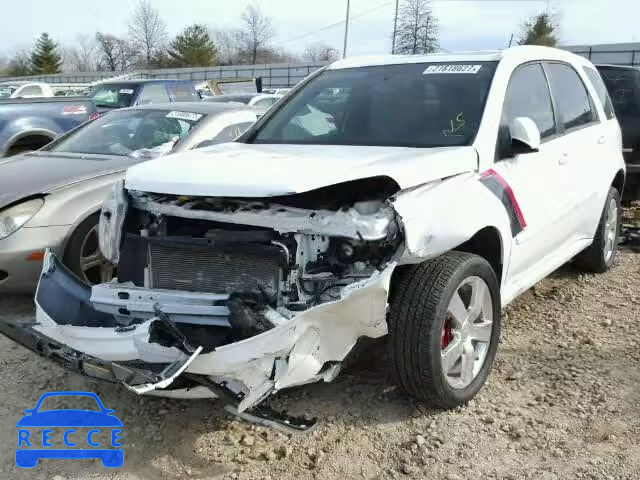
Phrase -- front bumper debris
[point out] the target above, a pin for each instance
(119, 333)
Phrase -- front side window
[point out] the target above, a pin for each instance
(409, 105)
(265, 102)
(528, 96)
(601, 90)
(574, 105)
(153, 93)
(134, 133)
(227, 134)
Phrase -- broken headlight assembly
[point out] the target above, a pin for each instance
(13, 218)
(112, 216)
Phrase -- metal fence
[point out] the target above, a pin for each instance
(612, 57)
(273, 75)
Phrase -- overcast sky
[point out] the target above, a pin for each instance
(464, 24)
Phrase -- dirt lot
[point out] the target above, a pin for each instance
(563, 402)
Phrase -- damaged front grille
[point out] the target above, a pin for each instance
(195, 268)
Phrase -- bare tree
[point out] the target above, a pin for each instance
(148, 32)
(320, 52)
(115, 54)
(417, 30)
(229, 45)
(257, 31)
(83, 56)
(20, 64)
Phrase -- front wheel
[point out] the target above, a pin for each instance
(600, 255)
(83, 255)
(444, 327)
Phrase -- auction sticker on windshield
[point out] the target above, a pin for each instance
(69, 433)
(190, 116)
(449, 68)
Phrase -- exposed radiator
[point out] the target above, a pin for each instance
(212, 269)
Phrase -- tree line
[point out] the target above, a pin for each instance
(148, 45)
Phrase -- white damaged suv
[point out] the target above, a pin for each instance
(412, 197)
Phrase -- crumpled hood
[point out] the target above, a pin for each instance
(33, 174)
(254, 170)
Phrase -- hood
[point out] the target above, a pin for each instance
(250, 170)
(32, 174)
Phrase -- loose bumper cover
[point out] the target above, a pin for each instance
(131, 335)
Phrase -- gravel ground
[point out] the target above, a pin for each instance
(563, 402)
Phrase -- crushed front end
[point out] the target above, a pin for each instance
(225, 296)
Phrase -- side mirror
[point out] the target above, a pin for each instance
(525, 136)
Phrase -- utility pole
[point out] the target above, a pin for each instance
(395, 29)
(346, 31)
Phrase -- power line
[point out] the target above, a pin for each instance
(336, 24)
(383, 5)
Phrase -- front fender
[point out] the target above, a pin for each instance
(439, 216)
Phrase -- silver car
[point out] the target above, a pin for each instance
(52, 197)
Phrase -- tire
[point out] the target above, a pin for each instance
(419, 318)
(600, 255)
(76, 248)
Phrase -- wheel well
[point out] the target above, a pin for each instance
(28, 142)
(618, 181)
(487, 244)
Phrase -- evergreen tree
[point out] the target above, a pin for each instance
(193, 48)
(540, 30)
(45, 58)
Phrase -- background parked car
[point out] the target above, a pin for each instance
(128, 93)
(623, 84)
(56, 193)
(260, 101)
(25, 89)
(30, 124)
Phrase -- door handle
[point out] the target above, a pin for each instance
(564, 158)
(602, 140)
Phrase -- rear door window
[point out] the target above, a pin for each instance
(528, 96)
(601, 90)
(575, 108)
(154, 93)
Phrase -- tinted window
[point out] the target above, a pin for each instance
(131, 133)
(624, 88)
(114, 95)
(528, 96)
(572, 99)
(601, 90)
(411, 105)
(154, 93)
(183, 92)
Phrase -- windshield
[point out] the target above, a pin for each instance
(411, 105)
(114, 95)
(134, 133)
(5, 92)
